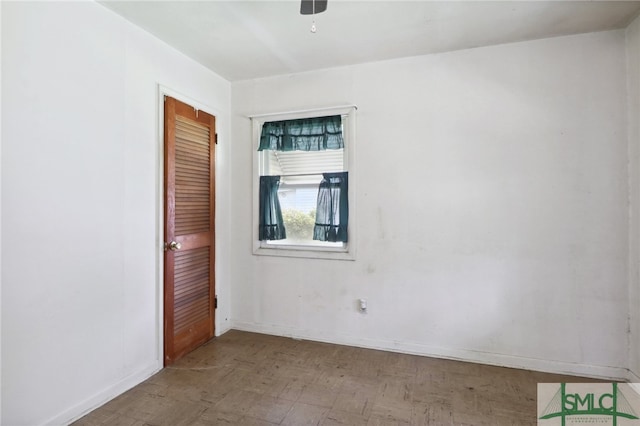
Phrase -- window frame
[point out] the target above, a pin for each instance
(346, 252)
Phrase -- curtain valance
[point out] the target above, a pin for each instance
(305, 134)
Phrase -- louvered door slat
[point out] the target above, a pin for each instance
(192, 129)
(185, 263)
(190, 167)
(193, 270)
(201, 158)
(194, 288)
(193, 135)
(189, 275)
(194, 162)
(198, 158)
(186, 177)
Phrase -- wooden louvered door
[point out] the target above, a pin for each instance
(189, 288)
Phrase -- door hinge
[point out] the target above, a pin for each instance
(215, 302)
(216, 138)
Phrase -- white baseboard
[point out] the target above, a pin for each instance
(501, 360)
(106, 395)
(101, 398)
(221, 330)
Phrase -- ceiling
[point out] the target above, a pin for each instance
(242, 40)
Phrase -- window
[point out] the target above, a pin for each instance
(304, 185)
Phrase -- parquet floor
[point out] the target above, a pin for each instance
(250, 379)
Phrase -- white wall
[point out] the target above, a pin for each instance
(0, 213)
(633, 82)
(492, 208)
(80, 197)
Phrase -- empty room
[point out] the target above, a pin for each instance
(319, 212)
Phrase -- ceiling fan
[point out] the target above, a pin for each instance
(311, 7)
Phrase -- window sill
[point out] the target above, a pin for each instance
(308, 252)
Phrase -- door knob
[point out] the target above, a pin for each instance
(173, 246)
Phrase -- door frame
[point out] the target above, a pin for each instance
(163, 91)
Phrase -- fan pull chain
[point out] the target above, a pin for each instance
(313, 13)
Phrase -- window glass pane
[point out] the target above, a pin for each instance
(299, 212)
(298, 203)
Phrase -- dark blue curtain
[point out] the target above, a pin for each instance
(332, 214)
(271, 226)
(306, 134)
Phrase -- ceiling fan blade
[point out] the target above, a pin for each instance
(307, 7)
